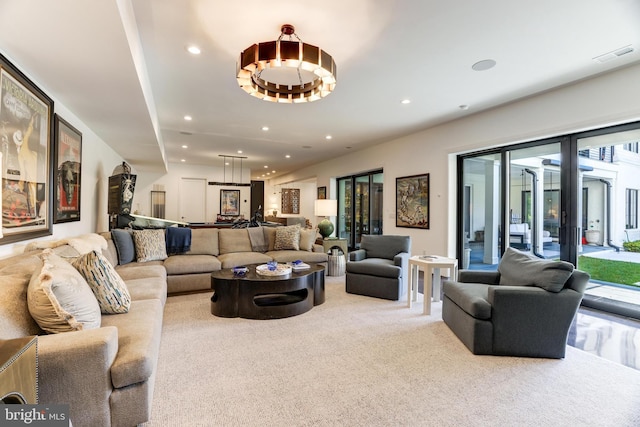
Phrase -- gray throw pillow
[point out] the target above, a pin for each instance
(123, 240)
(518, 268)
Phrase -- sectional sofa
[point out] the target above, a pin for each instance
(104, 365)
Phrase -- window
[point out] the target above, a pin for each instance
(631, 208)
(632, 146)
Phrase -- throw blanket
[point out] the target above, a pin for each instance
(258, 242)
(83, 244)
(178, 240)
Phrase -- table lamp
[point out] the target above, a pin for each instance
(326, 208)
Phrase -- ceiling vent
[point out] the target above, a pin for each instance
(613, 54)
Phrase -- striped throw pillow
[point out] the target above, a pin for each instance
(107, 285)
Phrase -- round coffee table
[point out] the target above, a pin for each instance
(254, 296)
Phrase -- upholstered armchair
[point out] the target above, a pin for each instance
(523, 309)
(380, 268)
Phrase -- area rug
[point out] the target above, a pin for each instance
(361, 361)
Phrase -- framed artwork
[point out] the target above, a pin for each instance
(230, 202)
(290, 200)
(26, 115)
(68, 165)
(412, 201)
(322, 192)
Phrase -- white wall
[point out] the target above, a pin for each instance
(98, 161)
(606, 100)
(170, 182)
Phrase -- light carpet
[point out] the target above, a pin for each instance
(360, 361)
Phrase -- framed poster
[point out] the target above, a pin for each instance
(230, 202)
(68, 162)
(412, 201)
(322, 192)
(26, 114)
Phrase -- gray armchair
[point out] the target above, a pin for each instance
(523, 309)
(380, 268)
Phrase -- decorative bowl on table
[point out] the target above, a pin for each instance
(273, 269)
(240, 270)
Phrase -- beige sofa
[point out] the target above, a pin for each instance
(213, 249)
(107, 374)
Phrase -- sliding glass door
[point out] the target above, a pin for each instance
(573, 198)
(359, 206)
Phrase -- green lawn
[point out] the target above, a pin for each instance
(626, 273)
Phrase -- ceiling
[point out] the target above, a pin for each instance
(123, 69)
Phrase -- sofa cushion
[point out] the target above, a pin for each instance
(375, 267)
(384, 246)
(15, 321)
(234, 259)
(125, 248)
(473, 298)
(204, 241)
(148, 288)
(191, 264)
(139, 333)
(287, 238)
(304, 256)
(234, 240)
(150, 245)
(307, 239)
(110, 290)
(59, 298)
(518, 268)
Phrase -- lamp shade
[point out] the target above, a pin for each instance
(326, 207)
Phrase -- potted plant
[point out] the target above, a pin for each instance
(592, 235)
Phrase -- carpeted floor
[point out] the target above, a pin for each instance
(360, 361)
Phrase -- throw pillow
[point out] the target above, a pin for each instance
(123, 241)
(307, 239)
(59, 298)
(150, 245)
(287, 238)
(107, 285)
(522, 269)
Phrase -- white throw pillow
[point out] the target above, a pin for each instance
(60, 299)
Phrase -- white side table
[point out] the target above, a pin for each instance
(429, 264)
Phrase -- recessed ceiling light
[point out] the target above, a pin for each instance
(265, 128)
(328, 137)
(239, 151)
(268, 173)
(273, 171)
(188, 118)
(288, 156)
(406, 101)
(483, 65)
(182, 160)
(266, 167)
(226, 163)
(185, 146)
(195, 50)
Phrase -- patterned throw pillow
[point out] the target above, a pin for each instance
(150, 245)
(107, 285)
(59, 298)
(287, 238)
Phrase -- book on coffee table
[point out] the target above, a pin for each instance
(299, 266)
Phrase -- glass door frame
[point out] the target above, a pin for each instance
(370, 226)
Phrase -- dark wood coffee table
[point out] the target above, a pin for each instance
(254, 296)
